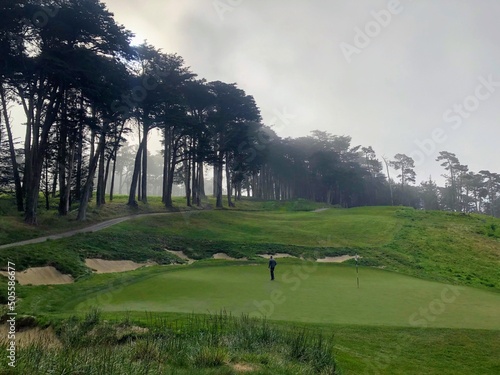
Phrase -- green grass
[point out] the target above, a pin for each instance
(453, 248)
(457, 248)
(303, 292)
(333, 228)
(445, 247)
(372, 326)
(13, 229)
(212, 344)
(403, 351)
(393, 324)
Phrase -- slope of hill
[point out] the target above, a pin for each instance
(374, 330)
(441, 246)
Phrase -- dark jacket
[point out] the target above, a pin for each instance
(272, 263)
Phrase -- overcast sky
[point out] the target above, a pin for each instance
(389, 74)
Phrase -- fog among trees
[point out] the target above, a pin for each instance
(84, 87)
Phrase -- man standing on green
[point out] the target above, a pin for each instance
(272, 264)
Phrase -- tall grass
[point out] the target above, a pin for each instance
(209, 344)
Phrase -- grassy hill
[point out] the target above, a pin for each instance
(409, 259)
(440, 246)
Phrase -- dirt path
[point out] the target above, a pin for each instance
(92, 228)
(321, 209)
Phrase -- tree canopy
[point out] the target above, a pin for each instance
(83, 87)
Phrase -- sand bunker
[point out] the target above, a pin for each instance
(28, 336)
(109, 266)
(41, 276)
(180, 254)
(225, 257)
(277, 255)
(338, 259)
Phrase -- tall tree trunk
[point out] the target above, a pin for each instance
(78, 187)
(113, 173)
(144, 183)
(187, 177)
(84, 200)
(106, 171)
(101, 187)
(67, 195)
(218, 180)
(201, 183)
(166, 163)
(61, 161)
(168, 198)
(215, 178)
(27, 104)
(113, 155)
(55, 176)
(170, 175)
(194, 179)
(238, 191)
(92, 152)
(46, 192)
(79, 167)
(165, 175)
(37, 153)
(135, 177)
(139, 176)
(12, 151)
(229, 184)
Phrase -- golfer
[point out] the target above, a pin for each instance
(272, 264)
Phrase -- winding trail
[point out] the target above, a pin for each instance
(321, 209)
(92, 228)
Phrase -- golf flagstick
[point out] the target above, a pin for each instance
(357, 271)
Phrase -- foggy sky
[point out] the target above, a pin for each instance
(401, 88)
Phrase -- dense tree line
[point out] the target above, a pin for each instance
(83, 87)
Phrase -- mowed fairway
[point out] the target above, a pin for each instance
(307, 292)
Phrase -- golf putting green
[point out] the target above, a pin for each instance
(307, 292)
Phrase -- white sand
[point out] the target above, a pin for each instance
(110, 266)
(225, 257)
(28, 336)
(277, 255)
(180, 254)
(338, 259)
(41, 276)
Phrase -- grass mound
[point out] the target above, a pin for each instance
(211, 344)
